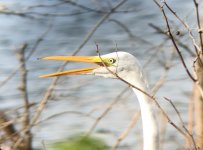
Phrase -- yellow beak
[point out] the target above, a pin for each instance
(87, 59)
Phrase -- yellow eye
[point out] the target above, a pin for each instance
(112, 60)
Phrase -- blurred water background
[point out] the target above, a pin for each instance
(67, 26)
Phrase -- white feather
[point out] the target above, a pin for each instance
(128, 68)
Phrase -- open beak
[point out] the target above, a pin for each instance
(87, 59)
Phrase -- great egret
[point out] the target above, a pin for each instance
(127, 67)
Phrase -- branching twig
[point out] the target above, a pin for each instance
(87, 37)
(127, 30)
(197, 48)
(33, 49)
(159, 30)
(199, 24)
(83, 7)
(173, 41)
(98, 119)
(24, 91)
(73, 3)
(181, 120)
(50, 89)
(63, 113)
(127, 130)
(148, 95)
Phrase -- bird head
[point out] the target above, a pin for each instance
(109, 65)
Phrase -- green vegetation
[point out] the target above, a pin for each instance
(80, 142)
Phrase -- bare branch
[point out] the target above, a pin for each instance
(129, 32)
(83, 7)
(19, 14)
(159, 30)
(91, 9)
(124, 134)
(174, 43)
(197, 48)
(33, 49)
(63, 113)
(98, 119)
(199, 24)
(24, 91)
(150, 96)
(50, 89)
(23, 86)
(181, 120)
(43, 5)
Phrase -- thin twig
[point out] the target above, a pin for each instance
(199, 24)
(46, 6)
(197, 48)
(50, 89)
(83, 7)
(174, 43)
(24, 91)
(65, 113)
(159, 30)
(109, 107)
(13, 13)
(181, 120)
(148, 95)
(73, 3)
(124, 134)
(87, 37)
(55, 14)
(34, 48)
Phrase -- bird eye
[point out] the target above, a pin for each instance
(112, 61)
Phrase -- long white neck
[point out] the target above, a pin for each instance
(149, 124)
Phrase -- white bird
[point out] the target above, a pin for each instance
(126, 67)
